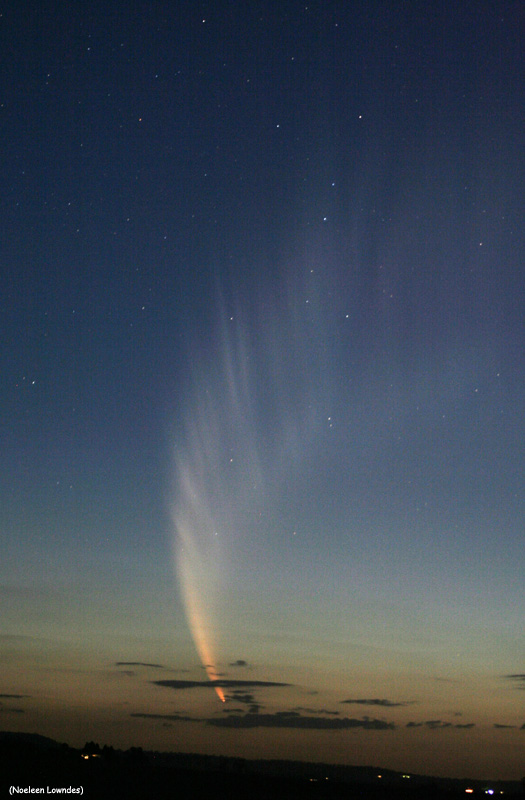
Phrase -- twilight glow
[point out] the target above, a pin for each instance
(263, 383)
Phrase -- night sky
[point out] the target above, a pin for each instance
(262, 388)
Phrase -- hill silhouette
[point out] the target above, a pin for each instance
(34, 764)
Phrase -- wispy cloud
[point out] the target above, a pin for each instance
(138, 664)
(376, 701)
(241, 696)
(438, 724)
(279, 719)
(518, 679)
(292, 719)
(316, 710)
(11, 710)
(168, 717)
(7, 709)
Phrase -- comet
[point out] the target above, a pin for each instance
(215, 470)
(189, 570)
(195, 564)
(261, 371)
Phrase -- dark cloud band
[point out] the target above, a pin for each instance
(222, 682)
(377, 702)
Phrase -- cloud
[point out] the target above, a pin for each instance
(239, 663)
(437, 724)
(292, 719)
(279, 719)
(243, 697)
(224, 683)
(237, 694)
(12, 709)
(378, 702)
(316, 710)
(138, 664)
(499, 725)
(240, 696)
(170, 717)
(518, 678)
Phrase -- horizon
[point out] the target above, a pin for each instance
(383, 773)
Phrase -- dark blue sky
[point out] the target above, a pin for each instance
(262, 393)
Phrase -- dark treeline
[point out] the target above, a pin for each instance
(31, 762)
